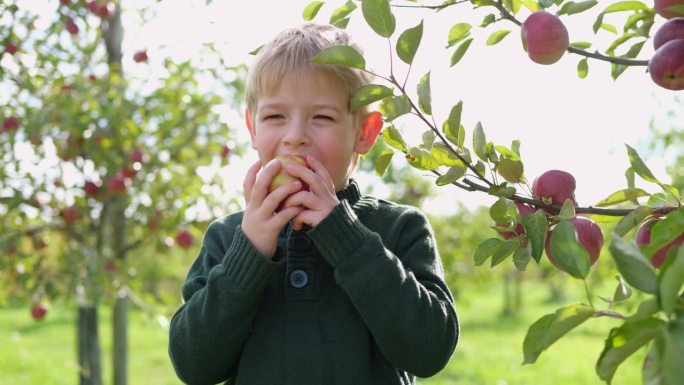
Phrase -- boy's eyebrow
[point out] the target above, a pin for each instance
(329, 106)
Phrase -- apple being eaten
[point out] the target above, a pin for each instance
(544, 37)
(643, 239)
(282, 178)
(669, 8)
(589, 235)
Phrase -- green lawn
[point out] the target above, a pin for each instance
(489, 353)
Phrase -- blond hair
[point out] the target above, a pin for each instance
(289, 54)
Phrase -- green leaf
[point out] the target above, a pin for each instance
(621, 196)
(458, 32)
(633, 265)
(383, 162)
(368, 94)
(647, 308)
(499, 211)
(505, 249)
(568, 253)
(393, 138)
(551, 327)
(342, 55)
(502, 190)
(536, 225)
(485, 250)
(395, 107)
(673, 356)
(452, 127)
(511, 170)
(497, 36)
(626, 6)
(421, 159)
(532, 5)
(424, 94)
(460, 51)
(341, 23)
(639, 166)
(480, 142)
(581, 44)
(379, 16)
(521, 257)
(622, 291)
(342, 12)
(445, 156)
(670, 283)
(311, 10)
(609, 27)
(623, 341)
(583, 68)
(567, 210)
(571, 8)
(455, 173)
(428, 139)
(677, 8)
(408, 43)
(631, 220)
(512, 5)
(489, 19)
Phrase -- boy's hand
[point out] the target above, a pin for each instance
(261, 223)
(319, 201)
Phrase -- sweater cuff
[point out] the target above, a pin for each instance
(339, 234)
(245, 264)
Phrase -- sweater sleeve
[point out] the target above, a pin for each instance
(221, 295)
(400, 293)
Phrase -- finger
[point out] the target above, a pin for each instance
(264, 178)
(280, 195)
(250, 179)
(319, 169)
(285, 215)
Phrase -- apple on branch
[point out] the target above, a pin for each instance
(523, 209)
(669, 8)
(589, 235)
(544, 37)
(672, 29)
(39, 310)
(554, 187)
(643, 239)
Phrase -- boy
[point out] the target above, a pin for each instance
(317, 284)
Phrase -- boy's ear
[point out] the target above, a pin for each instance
(250, 126)
(372, 124)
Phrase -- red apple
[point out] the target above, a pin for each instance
(140, 56)
(10, 124)
(92, 6)
(70, 215)
(523, 209)
(91, 189)
(118, 183)
(11, 48)
(544, 37)
(65, 2)
(225, 151)
(136, 156)
(110, 266)
(667, 65)
(554, 187)
(104, 10)
(72, 27)
(672, 29)
(589, 235)
(184, 239)
(39, 310)
(643, 238)
(669, 8)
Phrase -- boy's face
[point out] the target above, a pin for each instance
(309, 117)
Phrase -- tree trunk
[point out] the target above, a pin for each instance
(89, 357)
(120, 339)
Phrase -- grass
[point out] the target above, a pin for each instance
(489, 352)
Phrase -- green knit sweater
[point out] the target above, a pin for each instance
(358, 299)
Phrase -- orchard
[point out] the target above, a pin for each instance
(104, 171)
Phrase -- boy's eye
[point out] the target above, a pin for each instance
(274, 116)
(325, 117)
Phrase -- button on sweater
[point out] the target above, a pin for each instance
(358, 299)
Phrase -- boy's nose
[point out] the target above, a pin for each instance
(296, 134)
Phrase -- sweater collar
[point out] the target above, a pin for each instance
(351, 193)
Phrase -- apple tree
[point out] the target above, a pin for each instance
(99, 167)
(540, 216)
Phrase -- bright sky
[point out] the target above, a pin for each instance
(562, 121)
